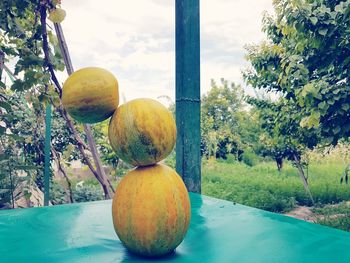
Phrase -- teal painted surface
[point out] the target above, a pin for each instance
(219, 232)
(187, 50)
(47, 152)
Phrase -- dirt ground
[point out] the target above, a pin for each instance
(304, 213)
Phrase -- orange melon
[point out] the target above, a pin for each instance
(142, 132)
(151, 210)
(90, 95)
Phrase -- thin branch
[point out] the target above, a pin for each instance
(64, 173)
(46, 50)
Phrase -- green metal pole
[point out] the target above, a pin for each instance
(188, 159)
(47, 154)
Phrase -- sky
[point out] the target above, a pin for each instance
(135, 40)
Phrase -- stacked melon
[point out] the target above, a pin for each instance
(151, 208)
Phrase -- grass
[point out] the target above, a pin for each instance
(337, 216)
(263, 187)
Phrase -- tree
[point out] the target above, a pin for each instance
(307, 59)
(26, 40)
(220, 114)
(283, 137)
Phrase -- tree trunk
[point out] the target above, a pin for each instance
(279, 163)
(302, 177)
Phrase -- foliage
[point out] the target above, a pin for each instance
(249, 158)
(57, 194)
(281, 136)
(22, 118)
(88, 193)
(263, 187)
(23, 40)
(100, 132)
(224, 122)
(307, 59)
(170, 160)
(20, 144)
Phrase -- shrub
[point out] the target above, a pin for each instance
(249, 158)
(87, 193)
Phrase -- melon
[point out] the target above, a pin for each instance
(151, 210)
(57, 15)
(142, 132)
(90, 95)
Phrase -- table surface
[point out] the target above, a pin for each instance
(220, 231)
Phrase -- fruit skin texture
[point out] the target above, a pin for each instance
(90, 95)
(57, 15)
(142, 132)
(151, 210)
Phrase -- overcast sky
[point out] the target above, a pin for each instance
(135, 40)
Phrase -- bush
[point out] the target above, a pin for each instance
(87, 193)
(57, 194)
(230, 158)
(249, 158)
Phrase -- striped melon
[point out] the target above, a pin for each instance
(151, 210)
(142, 132)
(90, 95)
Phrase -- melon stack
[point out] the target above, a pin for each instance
(151, 207)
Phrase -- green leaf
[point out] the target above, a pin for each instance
(2, 85)
(2, 130)
(3, 157)
(336, 130)
(314, 20)
(5, 106)
(15, 137)
(345, 106)
(322, 105)
(339, 7)
(18, 85)
(323, 31)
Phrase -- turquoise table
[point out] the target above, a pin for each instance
(220, 232)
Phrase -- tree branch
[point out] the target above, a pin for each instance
(46, 49)
(64, 173)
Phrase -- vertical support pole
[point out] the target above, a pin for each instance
(47, 152)
(2, 63)
(188, 159)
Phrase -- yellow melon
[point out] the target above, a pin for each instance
(90, 95)
(142, 132)
(151, 210)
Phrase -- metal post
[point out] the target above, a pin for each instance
(47, 151)
(188, 159)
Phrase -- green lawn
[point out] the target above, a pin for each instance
(263, 187)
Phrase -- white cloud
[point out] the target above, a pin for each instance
(135, 40)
